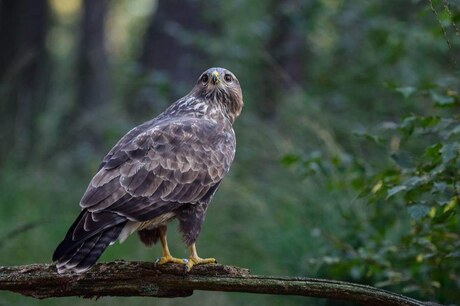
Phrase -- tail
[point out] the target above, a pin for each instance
(80, 250)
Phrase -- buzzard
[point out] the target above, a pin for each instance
(167, 168)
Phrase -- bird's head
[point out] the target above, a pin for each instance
(220, 86)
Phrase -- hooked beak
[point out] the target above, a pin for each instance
(215, 78)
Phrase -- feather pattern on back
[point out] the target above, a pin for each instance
(168, 166)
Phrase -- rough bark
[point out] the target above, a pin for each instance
(122, 278)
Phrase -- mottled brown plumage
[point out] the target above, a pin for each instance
(166, 168)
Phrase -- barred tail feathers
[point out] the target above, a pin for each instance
(84, 256)
(86, 240)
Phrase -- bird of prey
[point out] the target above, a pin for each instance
(167, 168)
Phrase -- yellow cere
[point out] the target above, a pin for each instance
(215, 73)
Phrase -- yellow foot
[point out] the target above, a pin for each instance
(192, 261)
(166, 259)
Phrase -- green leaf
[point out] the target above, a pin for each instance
(367, 136)
(289, 159)
(444, 216)
(406, 91)
(453, 254)
(432, 152)
(449, 151)
(407, 126)
(392, 191)
(403, 159)
(414, 181)
(442, 100)
(454, 131)
(426, 122)
(438, 169)
(440, 186)
(418, 211)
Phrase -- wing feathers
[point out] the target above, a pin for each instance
(148, 187)
(116, 160)
(153, 171)
(131, 168)
(186, 177)
(92, 222)
(160, 165)
(103, 177)
(94, 195)
(134, 181)
(109, 200)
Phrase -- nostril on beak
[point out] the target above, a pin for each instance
(215, 77)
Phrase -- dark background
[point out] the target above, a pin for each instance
(77, 75)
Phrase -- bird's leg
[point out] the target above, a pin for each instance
(194, 259)
(165, 250)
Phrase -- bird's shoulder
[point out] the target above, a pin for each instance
(171, 136)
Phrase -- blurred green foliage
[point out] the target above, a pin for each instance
(412, 241)
(359, 98)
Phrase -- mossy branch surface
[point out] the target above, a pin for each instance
(120, 278)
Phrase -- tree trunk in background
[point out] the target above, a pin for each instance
(93, 81)
(24, 74)
(170, 56)
(165, 47)
(286, 56)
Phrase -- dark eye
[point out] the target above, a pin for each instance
(228, 78)
(204, 78)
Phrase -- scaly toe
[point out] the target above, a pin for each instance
(169, 259)
(193, 261)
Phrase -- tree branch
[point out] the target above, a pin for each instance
(122, 278)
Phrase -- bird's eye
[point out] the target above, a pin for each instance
(204, 78)
(228, 78)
